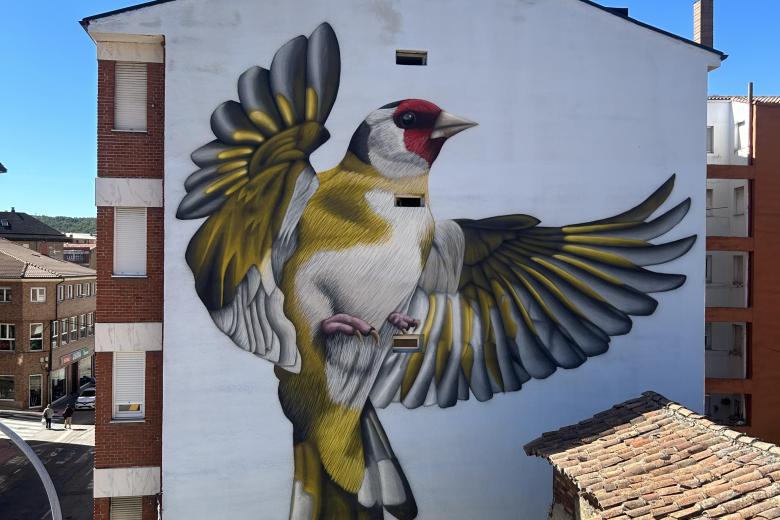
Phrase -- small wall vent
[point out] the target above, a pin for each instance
(407, 57)
(409, 201)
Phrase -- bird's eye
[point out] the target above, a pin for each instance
(408, 119)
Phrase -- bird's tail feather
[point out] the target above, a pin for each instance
(316, 495)
(384, 484)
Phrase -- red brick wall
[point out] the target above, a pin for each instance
(125, 444)
(564, 492)
(101, 509)
(130, 154)
(127, 300)
(123, 300)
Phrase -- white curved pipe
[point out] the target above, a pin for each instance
(48, 485)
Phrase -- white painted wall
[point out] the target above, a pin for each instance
(727, 207)
(576, 123)
(728, 118)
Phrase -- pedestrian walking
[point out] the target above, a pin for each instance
(48, 413)
(68, 415)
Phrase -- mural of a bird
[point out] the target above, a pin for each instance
(316, 272)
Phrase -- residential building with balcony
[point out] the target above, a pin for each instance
(742, 359)
(47, 327)
(81, 249)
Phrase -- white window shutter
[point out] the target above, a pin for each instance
(129, 380)
(130, 241)
(125, 508)
(130, 96)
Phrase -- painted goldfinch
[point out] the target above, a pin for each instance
(316, 272)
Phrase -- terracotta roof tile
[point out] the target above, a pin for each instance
(652, 458)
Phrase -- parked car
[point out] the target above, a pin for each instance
(86, 399)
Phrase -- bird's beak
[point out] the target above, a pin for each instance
(447, 125)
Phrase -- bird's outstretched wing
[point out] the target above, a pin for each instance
(503, 300)
(253, 183)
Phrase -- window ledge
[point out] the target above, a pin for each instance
(118, 130)
(128, 276)
(127, 421)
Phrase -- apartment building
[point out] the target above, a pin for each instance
(81, 249)
(202, 434)
(742, 359)
(32, 233)
(47, 327)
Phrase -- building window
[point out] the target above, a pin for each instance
(7, 336)
(83, 326)
(7, 388)
(70, 292)
(74, 328)
(60, 293)
(710, 139)
(740, 136)
(38, 294)
(709, 198)
(91, 324)
(36, 394)
(36, 336)
(5, 295)
(87, 289)
(130, 241)
(128, 388)
(79, 292)
(55, 333)
(739, 200)
(125, 508)
(130, 97)
(64, 332)
(708, 269)
(739, 270)
(708, 336)
(94, 288)
(739, 338)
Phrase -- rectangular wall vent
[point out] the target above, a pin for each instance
(409, 201)
(403, 57)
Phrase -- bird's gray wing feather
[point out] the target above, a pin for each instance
(522, 300)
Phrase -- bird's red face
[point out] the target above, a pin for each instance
(403, 139)
(417, 118)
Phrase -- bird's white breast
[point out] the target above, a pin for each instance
(368, 281)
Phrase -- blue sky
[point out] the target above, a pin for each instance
(48, 87)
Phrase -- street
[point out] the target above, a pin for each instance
(67, 456)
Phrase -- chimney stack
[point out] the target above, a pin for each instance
(702, 22)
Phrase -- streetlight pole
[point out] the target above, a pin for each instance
(48, 485)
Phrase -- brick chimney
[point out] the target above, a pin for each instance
(702, 22)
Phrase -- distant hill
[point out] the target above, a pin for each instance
(70, 224)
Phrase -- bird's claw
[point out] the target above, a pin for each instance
(402, 321)
(346, 324)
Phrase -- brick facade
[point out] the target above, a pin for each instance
(23, 362)
(130, 154)
(124, 300)
(120, 444)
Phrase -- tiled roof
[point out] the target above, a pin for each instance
(21, 226)
(768, 100)
(19, 262)
(651, 458)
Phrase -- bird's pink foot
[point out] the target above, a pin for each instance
(349, 325)
(402, 321)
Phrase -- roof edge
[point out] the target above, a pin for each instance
(86, 20)
(608, 10)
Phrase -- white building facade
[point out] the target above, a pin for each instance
(574, 110)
